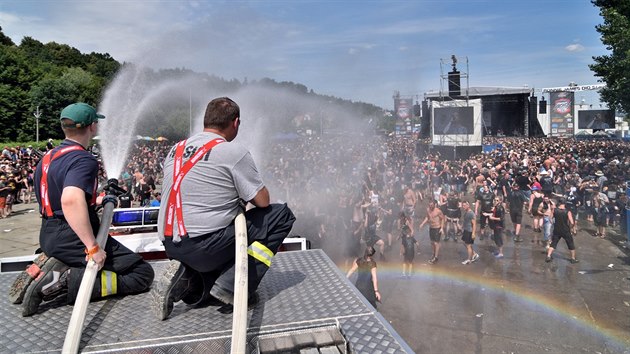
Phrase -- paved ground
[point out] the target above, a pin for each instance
(519, 304)
(19, 233)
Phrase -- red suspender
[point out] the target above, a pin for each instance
(43, 185)
(174, 205)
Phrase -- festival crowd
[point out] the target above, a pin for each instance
(351, 192)
(346, 194)
(16, 176)
(139, 177)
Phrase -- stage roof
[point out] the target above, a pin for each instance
(483, 91)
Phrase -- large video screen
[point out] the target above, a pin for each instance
(453, 120)
(596, 119)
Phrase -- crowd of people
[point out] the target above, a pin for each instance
(16, 176)
(348, 193)
(139, 177)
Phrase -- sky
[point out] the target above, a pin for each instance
(359, 50)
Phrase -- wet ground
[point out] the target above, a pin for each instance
(518, 304)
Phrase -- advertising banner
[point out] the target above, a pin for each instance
(404, 110)
(562, 115)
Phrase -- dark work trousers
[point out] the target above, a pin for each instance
(497, 236)
(213, 254)
(133, 275)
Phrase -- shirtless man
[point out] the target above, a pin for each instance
(409, 204)
(353, 245)
(436, 219)
(480, 180)
(546, 209)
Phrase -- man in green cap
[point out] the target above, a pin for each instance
(66, 181)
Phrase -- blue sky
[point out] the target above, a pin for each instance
(360, 50)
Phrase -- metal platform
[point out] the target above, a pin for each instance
(303, 290)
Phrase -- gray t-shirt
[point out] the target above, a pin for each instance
(211, 190)
(467, 221)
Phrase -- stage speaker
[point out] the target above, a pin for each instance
(542, 107)
(425, 122)
(533, 102)
(454, 86)
(416, 110)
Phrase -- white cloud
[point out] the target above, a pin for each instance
(17, 26)
(352, 51)
(8, 19)
(114, 26)
(575, 47)
(403, 48)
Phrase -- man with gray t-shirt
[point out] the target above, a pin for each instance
(206, 180)
(468, 235)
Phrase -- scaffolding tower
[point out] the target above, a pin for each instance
(450, 90)
(452, 79)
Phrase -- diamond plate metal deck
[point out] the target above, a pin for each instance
(303, 289)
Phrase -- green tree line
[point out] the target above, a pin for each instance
(52, 75)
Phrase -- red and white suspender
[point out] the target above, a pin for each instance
(43, 185)
(174, 204)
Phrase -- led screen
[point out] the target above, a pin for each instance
(453, 120)
(596, 119)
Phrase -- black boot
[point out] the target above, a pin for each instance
(25, 278)
(177, 283)
(51, 283)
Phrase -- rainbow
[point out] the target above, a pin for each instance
(462, 276)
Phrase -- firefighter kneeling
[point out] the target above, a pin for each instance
(206, 178)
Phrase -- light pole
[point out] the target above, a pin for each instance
(321, 125)
(37, 114)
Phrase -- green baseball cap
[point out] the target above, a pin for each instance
(82, 114)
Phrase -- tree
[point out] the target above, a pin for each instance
(4, 40)
(13, 109)
(102, 65)
(15, 80)
(614, 69)
(53, 93)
